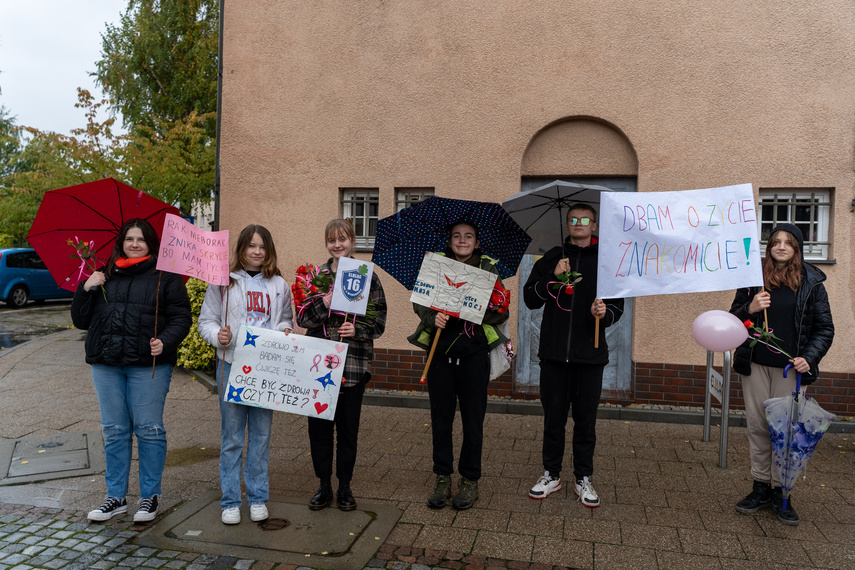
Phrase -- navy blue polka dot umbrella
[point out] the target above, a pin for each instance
(403, 239)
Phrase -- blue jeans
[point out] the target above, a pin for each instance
(238, 420)
(131, 402)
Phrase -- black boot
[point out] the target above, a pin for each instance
(759, 498)
(344, 497)
(441, 492)
(467, 494)
(323, 497)
(788, 515)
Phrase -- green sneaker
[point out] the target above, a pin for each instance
(467, 494)
(441, 492)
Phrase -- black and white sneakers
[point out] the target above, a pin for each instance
(147, 509)
(108, 509)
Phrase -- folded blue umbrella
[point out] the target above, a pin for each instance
(403, 239)
(795, 427)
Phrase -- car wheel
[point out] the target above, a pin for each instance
(18, 297)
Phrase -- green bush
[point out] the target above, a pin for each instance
(194, 352)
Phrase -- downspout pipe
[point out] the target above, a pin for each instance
(216, 222)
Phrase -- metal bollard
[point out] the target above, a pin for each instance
(725, 406)
(707, 396)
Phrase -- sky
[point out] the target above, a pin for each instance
(47, 50)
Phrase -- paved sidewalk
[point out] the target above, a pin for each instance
(665, 502)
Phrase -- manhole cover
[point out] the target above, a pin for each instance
(273, 524)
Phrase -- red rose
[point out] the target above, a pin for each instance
(748, 324)
(568, 289)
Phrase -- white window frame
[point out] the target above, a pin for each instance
(406, 197)
(362, 206)
(807, 208)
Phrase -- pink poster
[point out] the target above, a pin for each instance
(188, 250)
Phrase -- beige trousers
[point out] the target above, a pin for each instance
(763, 383)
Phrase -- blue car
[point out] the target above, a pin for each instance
(23, 276)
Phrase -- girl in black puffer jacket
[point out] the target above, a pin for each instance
(122, 308)
(798, 312)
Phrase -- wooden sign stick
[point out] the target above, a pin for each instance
(430, 356)
(223, 361)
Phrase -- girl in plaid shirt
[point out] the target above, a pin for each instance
(359, 335)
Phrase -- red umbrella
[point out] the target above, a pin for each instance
(90, 214)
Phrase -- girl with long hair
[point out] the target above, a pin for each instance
(793, 304)
(257, 295)
(136, 316)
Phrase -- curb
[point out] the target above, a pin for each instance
(663, 414)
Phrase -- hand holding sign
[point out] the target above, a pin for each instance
(454, 289)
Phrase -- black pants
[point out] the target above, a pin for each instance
(465, 381)
(346, 428)
(560, 386)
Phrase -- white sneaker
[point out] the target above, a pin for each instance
(545, 486)
(258, 513)
(231, 515)
(585, 490)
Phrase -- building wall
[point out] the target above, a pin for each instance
(322, 95)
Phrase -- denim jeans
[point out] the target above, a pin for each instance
(238, 420)
(131, 402)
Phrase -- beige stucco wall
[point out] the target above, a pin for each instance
(321, 95)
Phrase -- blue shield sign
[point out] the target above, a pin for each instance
(353, 284)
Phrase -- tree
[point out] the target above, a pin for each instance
(10, 143)
(174, 163)
(14, 204)
(160, 64)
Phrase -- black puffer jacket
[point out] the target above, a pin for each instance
(568, 336)
(121, 327)
(812, 317)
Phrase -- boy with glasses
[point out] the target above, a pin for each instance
(571, 369)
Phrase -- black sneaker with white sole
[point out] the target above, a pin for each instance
(108, 509)
(147, 509)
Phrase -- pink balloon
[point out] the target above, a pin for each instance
(718, 331)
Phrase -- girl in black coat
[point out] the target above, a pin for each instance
(122, 307)
(796, 304)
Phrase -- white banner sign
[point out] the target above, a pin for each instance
(657, 243)
(287, 373)
(452, 287)
(352, 283)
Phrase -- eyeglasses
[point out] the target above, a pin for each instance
(582, 221)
